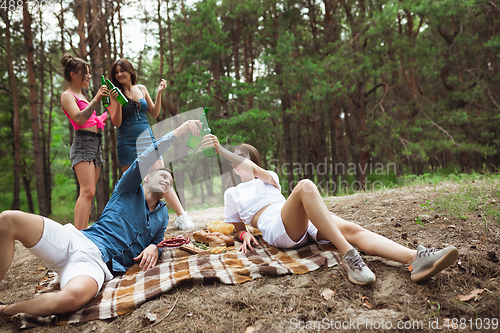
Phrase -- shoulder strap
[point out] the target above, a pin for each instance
(141, 91)
(73, 95)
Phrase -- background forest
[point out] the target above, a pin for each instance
(384, 88)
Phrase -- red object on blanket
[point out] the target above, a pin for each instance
(174, 241)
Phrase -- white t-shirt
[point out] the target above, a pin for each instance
(243, 201)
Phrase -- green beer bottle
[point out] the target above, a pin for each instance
(121, 97)
(193, 140)
(105, 99)
(205, 130)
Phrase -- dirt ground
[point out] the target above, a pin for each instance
(294, 302)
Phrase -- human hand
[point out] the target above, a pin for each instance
(192, 126)
(148, 257)
(162, 86)
(113, 94)
(247, 238)
(209, 141)
(103, 91)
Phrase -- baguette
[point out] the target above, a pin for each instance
(208, 238)
(229, 240)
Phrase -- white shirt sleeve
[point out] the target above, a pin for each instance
(230, 208)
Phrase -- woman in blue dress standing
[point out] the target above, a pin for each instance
(133, 126)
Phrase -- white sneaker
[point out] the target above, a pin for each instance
(431, 261)
(357, 270)
(184, 221)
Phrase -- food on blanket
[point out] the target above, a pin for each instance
(174, 241)
(209, 238)
(229, 240)
(218, 226)
(217, 249)
(203, 246)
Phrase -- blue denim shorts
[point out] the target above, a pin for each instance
(86, 147)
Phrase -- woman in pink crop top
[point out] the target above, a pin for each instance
(304, 215)
(85, 155)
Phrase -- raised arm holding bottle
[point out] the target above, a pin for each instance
(85, 155)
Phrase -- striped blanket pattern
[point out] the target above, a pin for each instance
(176, 267)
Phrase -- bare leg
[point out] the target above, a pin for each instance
(305, 203)
(27, 228)
(78, 292)
(86, 173)
(371, 243)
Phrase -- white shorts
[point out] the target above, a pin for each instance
(273, 230)
(69, 253)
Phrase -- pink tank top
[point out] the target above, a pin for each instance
(94, 120)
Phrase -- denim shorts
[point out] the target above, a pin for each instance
(86, 147)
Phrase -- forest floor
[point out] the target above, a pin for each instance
(409, 215)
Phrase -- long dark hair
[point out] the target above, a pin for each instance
(73, 64)
(126, 66)
(251, 153)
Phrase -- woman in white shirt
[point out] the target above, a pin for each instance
(288, 223)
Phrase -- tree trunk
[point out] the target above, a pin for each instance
(170, 103)
(38, 164)
(16, 129)
(287, 139)
(41, 113)
(27, 188)
(48, 175)
(81, 6)
(160, 36)
(114, 164)
(336, 142)
(120, 25)
(96, 70)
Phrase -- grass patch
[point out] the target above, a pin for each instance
(477, 194)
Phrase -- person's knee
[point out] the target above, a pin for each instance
(87, 192)
(7, 220)
(69, 302)
(352, 229)
(306, 186)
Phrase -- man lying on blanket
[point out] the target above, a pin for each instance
(132, 223)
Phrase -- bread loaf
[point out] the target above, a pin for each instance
(208, 238)
(229, 240)
(218, 226)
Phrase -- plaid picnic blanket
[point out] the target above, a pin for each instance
(125, 293)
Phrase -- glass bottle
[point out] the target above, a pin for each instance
(105, 98)
(205, 130)
(193, 140)
(121, 97)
